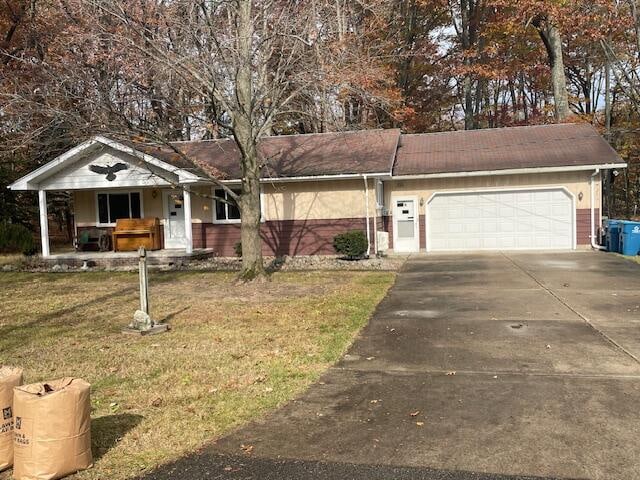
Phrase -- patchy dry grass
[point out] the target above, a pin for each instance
(233, 353)
(11, 259)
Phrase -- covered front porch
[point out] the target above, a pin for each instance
(109, 182)
(97, 212)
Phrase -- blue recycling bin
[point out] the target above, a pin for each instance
(630, 238)
(613, 236)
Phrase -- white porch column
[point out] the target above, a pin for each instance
(44, 222)
(188, 230)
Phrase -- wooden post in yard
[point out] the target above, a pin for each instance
(142, 323)
(144, 280)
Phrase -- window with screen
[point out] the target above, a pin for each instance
(112, 206)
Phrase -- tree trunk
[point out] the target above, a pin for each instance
(552, 40)
(245, 135)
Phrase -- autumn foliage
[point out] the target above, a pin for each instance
(73, 67)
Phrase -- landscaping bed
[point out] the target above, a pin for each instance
(221, 264)
(234, 352)
(308, 262)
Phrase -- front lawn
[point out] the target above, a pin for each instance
(233, 353)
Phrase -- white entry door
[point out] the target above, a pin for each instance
(174, 232)
(501, 220)
(405, 225)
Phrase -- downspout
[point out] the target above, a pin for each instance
(594, 245)
(366, 206)
(375, 230)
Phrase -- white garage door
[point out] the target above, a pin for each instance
(500, 220)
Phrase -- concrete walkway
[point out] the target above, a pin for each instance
(473, 367)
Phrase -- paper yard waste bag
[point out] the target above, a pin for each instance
(52, 435)
(9, 377)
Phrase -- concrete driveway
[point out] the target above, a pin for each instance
(515, 364)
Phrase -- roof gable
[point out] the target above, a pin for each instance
(50, 175)
(108, 168)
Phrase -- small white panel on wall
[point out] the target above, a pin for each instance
(383, 241)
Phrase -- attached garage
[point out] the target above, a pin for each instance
(501, 220)
(520, 188)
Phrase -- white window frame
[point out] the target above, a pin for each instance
(117, 192)
(226, 207)
(263, 215)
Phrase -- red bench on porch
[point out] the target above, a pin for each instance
(133, 233)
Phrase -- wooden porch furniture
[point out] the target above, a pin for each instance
(93, 239)
(133, 233)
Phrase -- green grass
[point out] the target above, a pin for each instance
(234, 352)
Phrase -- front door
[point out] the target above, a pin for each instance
(174, 234)
(405, 225)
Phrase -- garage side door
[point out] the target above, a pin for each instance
(500, 220)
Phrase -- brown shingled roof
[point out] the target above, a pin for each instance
(358, 152)
(503, 148)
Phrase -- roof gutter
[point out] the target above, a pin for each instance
(511, 171)
(344, 176)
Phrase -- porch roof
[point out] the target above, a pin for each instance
(165, 173)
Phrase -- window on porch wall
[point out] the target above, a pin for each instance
(226, 211)
(112, 206)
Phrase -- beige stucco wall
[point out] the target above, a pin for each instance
(575, 182)
(84, 206)
(201, 205)
(335, 199)
(86, 213)
(328, 199)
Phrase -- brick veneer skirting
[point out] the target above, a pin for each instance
(315, 237)
(281, 237)
(583, 225)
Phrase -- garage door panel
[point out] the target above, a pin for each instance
(523, 219)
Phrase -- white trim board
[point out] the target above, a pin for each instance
(510, 171)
